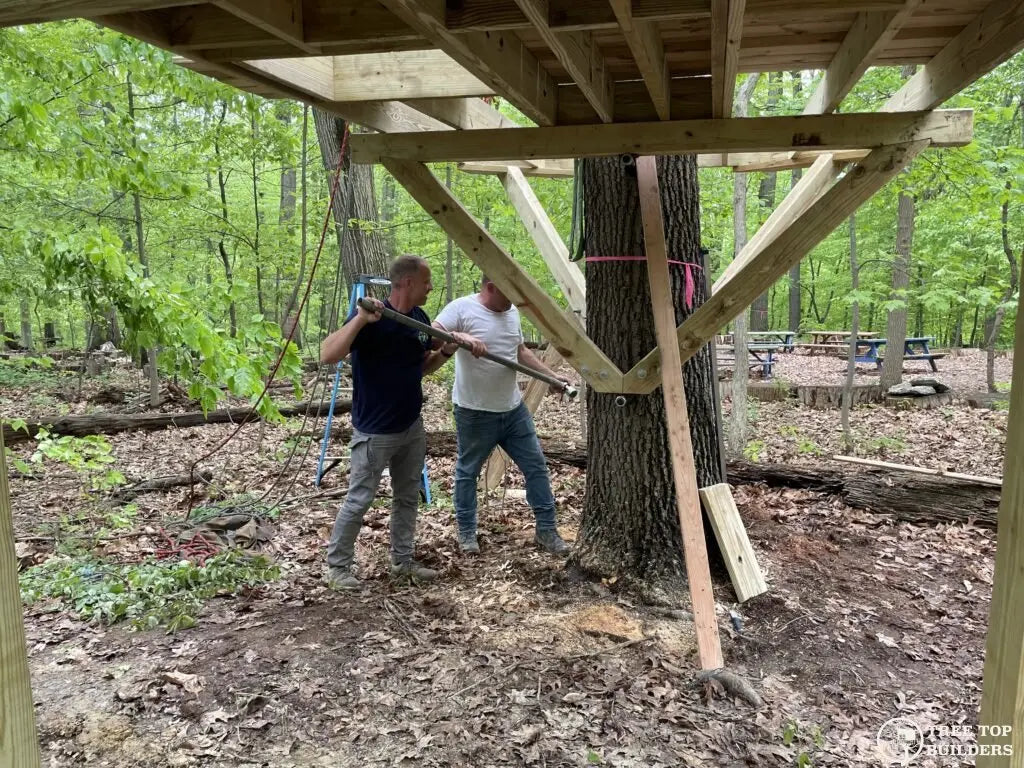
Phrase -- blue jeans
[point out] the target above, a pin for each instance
(479, 432)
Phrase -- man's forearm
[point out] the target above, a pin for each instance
(528, 358)
(339, 344)
(434, 361)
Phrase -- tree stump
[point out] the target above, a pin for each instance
(926, 402)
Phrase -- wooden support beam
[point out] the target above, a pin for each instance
(578, 53)
(745, 162)
(1002, 697)
(812, 185)
(684, 473)
(803, 233)
(870, 34)
(19, 747)
(564, 331)
(281, 18)
(644, 41)
(740, 560)
(559, 169)
(501, 61)
(403, 75)
(993, 37)
(488, 15)
(726, 33)
(313, 76)
(846, 131)
(468, 114)
(36, 11)
(552, 249)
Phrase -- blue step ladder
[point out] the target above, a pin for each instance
(358, 292)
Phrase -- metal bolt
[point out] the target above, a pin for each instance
(604, 373)
(585, 370)
(641, 373)
(620, 401)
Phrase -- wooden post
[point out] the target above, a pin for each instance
(19, 747)
(1002, 698)
(698, 572)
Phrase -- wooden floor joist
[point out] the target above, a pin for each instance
(19, 747)
(698, 571)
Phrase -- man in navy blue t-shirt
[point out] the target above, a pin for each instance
(389, 361)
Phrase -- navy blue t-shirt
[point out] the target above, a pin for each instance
(387, 371)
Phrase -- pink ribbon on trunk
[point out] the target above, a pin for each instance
(689, 282)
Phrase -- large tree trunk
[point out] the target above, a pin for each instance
(362, 250)
(221, 249)
(994, 323)
(26, 323)
(896, 325)
(630, 526)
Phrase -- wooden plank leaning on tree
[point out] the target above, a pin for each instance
(560, 329)
(684, 474)
(803, 233)
(19, 747)
(727, 524)
(1003, 688)
(861, 130)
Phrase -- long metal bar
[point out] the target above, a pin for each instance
(437, 333)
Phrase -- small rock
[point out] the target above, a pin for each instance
(922, 391)
(901, 390)
(927, 381)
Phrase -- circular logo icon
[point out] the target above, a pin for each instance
(900, 740)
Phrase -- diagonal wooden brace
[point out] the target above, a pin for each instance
(561, 329)
(804, 232)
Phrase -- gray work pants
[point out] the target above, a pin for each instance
(403, 453)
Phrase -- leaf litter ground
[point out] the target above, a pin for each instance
(508, 661)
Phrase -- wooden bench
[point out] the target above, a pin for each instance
(931, 357)
(814, 348)
(726, 358)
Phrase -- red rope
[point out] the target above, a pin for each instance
(291, 331)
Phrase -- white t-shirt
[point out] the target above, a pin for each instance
(480, 384)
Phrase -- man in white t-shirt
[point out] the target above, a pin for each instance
(489, 412)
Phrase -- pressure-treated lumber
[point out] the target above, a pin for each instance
(756, 134)
(403, 75)
(726, 33)
(501, 61)
(562, 330)
(578, 53)
(993, 481)
(313, 75)
(1002, 697)
(684, 474)
(552, 249)
(740, 560)
(994, 36)
(812, 185)
(281, 18)
(644, 41)
(791, 245)
(871, 33)
(31, 11)
(111, 423)
(558, 169)
(19, 747)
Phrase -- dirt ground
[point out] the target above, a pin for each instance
(507, 660)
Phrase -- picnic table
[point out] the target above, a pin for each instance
(760, 355)
(784, 338)
(838, 337)
(914, 348)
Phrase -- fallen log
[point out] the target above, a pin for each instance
(111, 423)
(162, 484)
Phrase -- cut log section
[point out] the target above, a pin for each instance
(739, 556)
(111, 423)
(831, 396)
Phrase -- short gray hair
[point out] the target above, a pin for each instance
(406, 265)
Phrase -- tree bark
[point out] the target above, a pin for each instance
(112, 423)
(361, 247)
(26, 323)
(629, 525)
(221, 249)
(994, 324)
(851, 354)
(896, 324)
